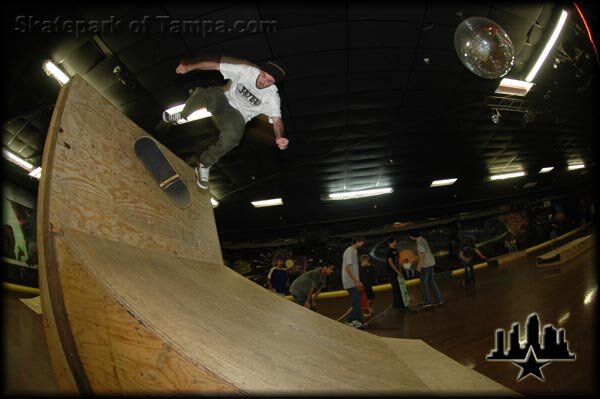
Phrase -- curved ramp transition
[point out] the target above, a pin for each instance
(137, 300)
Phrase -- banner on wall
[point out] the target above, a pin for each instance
(18, 233)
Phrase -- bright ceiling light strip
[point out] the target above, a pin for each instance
(576, 166)
(214, 202)
(16, 160)
(549, 45)
(52, 70)
(546, 169)
(443, 182)
(344, 195)
(269, 202)
(37, 172)
(198, 114)
(507, 175)
(514, 87)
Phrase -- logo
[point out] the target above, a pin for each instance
(533, 355)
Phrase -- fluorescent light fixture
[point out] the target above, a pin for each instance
(214, 202)
(557, 29)
(576, 166)
(52, 70)
(443, 182)
(344, 195)
(198, 114)
(37, 172)
(546, 169)
(514, 87)
(269, 202)
(503, 176)
(16, 160)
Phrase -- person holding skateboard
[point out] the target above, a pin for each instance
(351, 281)
(306, 288)
(394, 273)
(252, 91)
(426, 267)
(367, 278)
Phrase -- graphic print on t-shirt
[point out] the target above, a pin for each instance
(244, 94)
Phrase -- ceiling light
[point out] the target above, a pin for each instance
(344, 195)
(16, 160)
(444, 182)
(37, 172)
(496, 117)
(52, 70)
(557, 29)
(530, 184)
(214, 202)
(546, 169)
(576, 166)
(514, 87)
(503, 176)
(269, 202)
(198, 114)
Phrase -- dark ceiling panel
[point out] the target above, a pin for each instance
(369, 34)
(307, 39)
(152, 51)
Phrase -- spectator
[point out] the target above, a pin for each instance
(306, 288)
(351, 280)
(426, 267)
(367, 278)
(408, 270)
(278, 277)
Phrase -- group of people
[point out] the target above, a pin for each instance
(358, 275)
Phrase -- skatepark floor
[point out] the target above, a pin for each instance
(462, 328)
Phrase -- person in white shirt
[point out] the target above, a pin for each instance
(351, 280)
(252, 91)
(426, 267)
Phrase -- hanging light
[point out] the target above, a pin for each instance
(496, 117)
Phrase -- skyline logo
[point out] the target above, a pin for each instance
(536, 353)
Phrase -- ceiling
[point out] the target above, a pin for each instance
(375, 96)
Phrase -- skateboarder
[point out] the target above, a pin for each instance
(252, 92)
(351, 281)
(367, 278)
(394, 272)
(278, 277)
(466, 255)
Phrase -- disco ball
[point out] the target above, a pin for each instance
(484, 47)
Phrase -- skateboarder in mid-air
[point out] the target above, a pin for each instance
(252, 92)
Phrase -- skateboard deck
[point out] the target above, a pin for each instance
(403, 291)
(163, 173)
(364, 303)
(422, 307)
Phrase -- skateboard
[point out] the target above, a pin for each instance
(364, 304)
(418, 308)
(148, 151)
(403, 291)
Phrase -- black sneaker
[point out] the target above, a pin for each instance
(202, 173)
(173, 119)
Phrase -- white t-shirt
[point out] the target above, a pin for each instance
(243, 94)
(423, 247)
(350, 257)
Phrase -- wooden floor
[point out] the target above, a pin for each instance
(463, 328)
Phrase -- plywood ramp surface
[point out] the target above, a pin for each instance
(136, 298)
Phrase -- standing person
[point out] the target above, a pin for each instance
(306, 288)
(367, 278)
(351, 280)
(252, 92)
(466, 255)
(278, 277)
(426, 267)
(394, 272)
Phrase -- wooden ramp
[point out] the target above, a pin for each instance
(136, 298)
(566, 252)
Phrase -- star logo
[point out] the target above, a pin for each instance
(531, 365)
